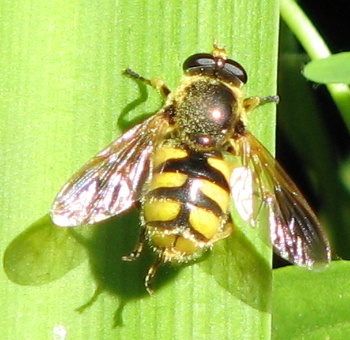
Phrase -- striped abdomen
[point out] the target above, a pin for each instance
(186, 205)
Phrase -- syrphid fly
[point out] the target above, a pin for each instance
(175, 165)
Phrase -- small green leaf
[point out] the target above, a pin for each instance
(334, 69)
(312, 305)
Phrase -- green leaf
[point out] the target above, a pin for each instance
(310, 305)
(334, 69)
(61, 92)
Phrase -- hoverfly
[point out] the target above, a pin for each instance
(174, 164)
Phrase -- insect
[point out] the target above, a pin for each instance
(175, 165)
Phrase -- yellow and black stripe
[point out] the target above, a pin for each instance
(186, 204)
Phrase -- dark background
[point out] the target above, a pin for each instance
(332, 20)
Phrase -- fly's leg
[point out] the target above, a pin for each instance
(158, 84)
(136, 254)
(152, 272)
(252, 102)
(138, 248)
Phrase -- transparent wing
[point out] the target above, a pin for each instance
(260, 184)
(111, 181)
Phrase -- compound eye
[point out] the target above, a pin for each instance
(232, 69)
(198, 63)
(225, 69)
